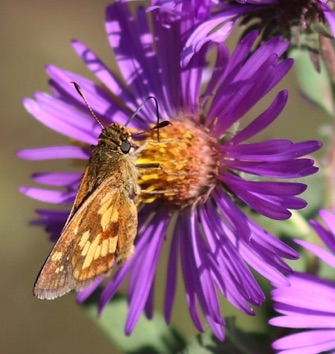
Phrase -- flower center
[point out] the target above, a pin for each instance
(304, 11)
(293, 18)
(185, 164)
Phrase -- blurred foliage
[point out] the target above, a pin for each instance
(152, 336)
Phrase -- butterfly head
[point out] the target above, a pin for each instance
(118, 137)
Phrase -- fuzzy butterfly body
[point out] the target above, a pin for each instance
(102, 224)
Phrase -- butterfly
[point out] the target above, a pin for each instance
(102, 224)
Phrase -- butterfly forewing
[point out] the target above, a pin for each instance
(102, 224)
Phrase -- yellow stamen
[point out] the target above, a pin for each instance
(188, 160)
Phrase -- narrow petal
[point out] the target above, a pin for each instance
(309, 342)
(57, 179)
(319, 252)
(54, 152)
(171, 277)
(48, 196)
(63, 118)
(143, 274)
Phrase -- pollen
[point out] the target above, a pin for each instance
(181, 168)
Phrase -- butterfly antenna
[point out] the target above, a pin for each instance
(158, 125)
(82, 95)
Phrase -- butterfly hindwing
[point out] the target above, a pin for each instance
(90, 241)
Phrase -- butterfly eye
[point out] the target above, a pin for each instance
(125, 146)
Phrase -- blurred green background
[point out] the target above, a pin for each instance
(34, 33)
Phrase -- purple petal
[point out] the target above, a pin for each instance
(296, 295)
(105, 75)
(326, 236)
(222, 60)
(55, 152)
(58, 179)
(188, 271)
(98, 99)
(48, 196)
(171, 277)
(52, 220)
(131, 46)
(149, 305)
(63, 118)
(330, 16)
(143, 275)
(228, 265)
(308, 342)
(262, 121)
(290, 169)
(271, 150)
(201, 36)
(87, 292)
(198, 281)
(271, 199)
(319, 252)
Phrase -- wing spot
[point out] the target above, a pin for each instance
(112, 244)
(97, 252)
(85, 236)
(104, 248)
(57, 256)
(59, 269)
(109, 213)
(91, 251)
(115, 215)
(86, 248)
(106, 202)
(105, 218)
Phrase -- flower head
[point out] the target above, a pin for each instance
(308, 303)
(301, 22)
(205, 167)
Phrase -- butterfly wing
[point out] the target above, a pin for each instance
(100, 230)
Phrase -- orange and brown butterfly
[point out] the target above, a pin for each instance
(102, 224)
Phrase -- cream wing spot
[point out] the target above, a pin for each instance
(57, 256)
(112, 244)
(97, 252)
(59, 269)
(104, 248)
(86, 248)
(84, 239)
(91, 251)
(105, 218)
(115, 215)
(108, 211)
(106, 202)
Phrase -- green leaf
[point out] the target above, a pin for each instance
(236, 342)
(149, 337)
(315, 86)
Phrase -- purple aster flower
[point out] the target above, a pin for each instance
(208, 169)
(298, 21)
(308, 303)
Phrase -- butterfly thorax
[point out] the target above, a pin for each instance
(111, 157)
